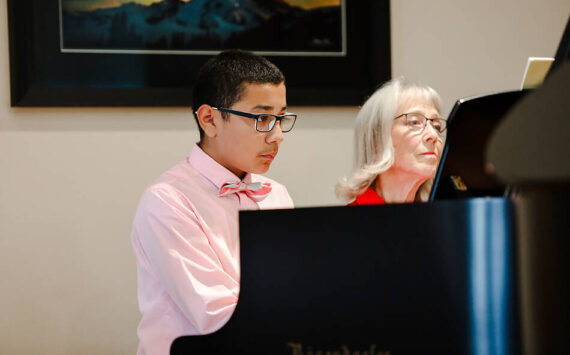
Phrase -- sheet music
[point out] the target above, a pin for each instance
(535, 71)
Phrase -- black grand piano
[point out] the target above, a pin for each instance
(481, 269)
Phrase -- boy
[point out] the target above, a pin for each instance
(185, 233)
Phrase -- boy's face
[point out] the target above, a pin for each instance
(239, 147)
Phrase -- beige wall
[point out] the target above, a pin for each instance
(70, 179)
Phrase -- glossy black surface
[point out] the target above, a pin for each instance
(408, 279)
(470, 126)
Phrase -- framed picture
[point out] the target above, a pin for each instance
(148, 52)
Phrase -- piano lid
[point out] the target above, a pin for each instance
(531, 144)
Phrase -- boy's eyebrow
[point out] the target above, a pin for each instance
(267, 108)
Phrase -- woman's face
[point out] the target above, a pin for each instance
(416, 153)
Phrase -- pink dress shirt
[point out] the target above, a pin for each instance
(186, 243)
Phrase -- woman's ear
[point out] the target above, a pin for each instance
(206, 115)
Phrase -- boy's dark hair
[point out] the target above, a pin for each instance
(221, 79)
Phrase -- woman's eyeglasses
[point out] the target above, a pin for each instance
(418, 122)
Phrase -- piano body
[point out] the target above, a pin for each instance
(399, 279)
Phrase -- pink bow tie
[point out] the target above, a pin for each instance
(256, 191)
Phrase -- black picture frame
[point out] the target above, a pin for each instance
(42, 76)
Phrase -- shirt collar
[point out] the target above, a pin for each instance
(211, 169)
(369, 197)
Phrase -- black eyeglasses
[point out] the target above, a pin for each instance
(418, 122)
(264, 122)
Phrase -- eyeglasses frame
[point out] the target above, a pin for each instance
(256, 116)
(427, 119)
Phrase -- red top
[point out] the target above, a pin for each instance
(368, 197)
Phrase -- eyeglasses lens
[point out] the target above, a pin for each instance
(415, 122)
(418, 123)
(266, 123)
(437, 124)
(287, 123)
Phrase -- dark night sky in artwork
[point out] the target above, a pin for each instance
(86, 5)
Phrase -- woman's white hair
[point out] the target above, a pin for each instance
(373, 149)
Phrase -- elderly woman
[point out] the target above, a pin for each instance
(398, 140)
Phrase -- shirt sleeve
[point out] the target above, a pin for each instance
(178, 253)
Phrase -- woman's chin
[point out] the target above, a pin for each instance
(427, 173)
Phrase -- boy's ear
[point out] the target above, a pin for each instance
(205, 114)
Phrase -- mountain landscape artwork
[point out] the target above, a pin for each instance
(296, 27)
